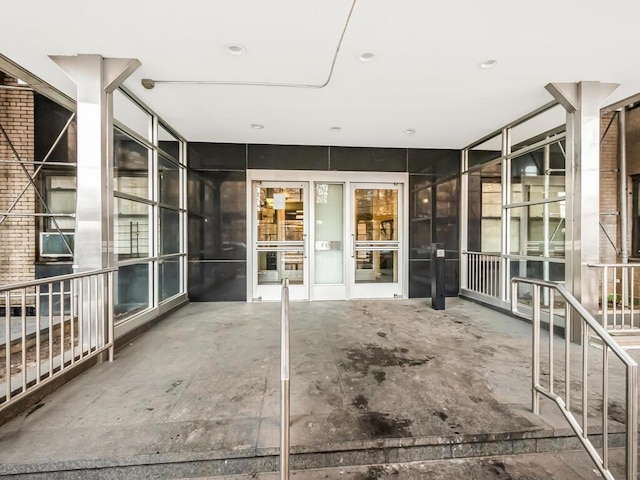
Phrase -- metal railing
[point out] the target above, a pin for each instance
(285, 397)
(483, 273)
(588, 326)
(620, 297)
(72, 322)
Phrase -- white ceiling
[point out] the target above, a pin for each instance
(425, 74)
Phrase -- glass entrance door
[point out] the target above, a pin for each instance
(280, 239)
(376, 236)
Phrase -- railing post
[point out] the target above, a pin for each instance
(284, 383)
(535, 374)
(631, 452)
(110, 315)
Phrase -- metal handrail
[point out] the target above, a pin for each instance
(84, 329)
(608, 344)
(57, 278)
(285, 396)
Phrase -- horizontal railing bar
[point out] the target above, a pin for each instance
(61, 278)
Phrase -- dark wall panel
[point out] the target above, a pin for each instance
(217, 281)
(288, 157)
(217, 156)
(436, 163)
(368, 159)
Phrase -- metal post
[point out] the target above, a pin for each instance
(582, 101)
(535, 375)
(284, 383)
(631, 450)
(627, 296)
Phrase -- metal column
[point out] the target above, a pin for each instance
(582, 101)
(96, 79)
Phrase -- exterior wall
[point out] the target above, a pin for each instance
(217, 207)
(17, 234)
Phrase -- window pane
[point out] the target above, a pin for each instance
(273, 267)
(169, 278)
(129, 113)
(280, 214)
(169, 182)
(538, 230)
(131, 170)
(131, 229)
(132, 290)
(169, 231)
(377, 266)
(168, 143)
(539, 174)
(376, 214)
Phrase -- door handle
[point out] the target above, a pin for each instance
(353, 242)
(304, 237)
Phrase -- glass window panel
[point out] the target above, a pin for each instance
(132, 290)
(376, 266)
(376, 213)
(169, 182)
(538, 230)
(530, 131)
(131, 170)
(280, 214)
(129, 113)
(170, 278)
(329, 233)
(275, 266)
(485, 152)
(169, 231)
(168, 142)
(538, 175)
(131, 229)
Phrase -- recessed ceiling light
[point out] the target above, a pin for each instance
(257, 126)
(488, 63)
(235, 49)
(366, 57)
(335, 129)
(409, 131)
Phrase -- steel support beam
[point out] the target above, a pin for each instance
(582, 101)
(96, 79)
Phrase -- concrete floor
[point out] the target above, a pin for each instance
(204, 383)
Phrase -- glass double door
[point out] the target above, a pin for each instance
(332, 240)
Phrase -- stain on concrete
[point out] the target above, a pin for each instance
(381, 334)
(380, 376)
(360, 402)
(499, 469)
(175, 385)
(441, 415)
(34, 408)
(376, 424)
(361, 359)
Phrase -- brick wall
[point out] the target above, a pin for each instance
(17, 234)
(609, 204)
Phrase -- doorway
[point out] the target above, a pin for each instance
(331, 234)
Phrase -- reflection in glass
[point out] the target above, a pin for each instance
(538, 230)
(169, 231)
(132, 294)
(168, 182)
(376, 214)
(169, 278)
(329, 234)
(275, 266)
(376, 266)
(129, 113)
(539, 174)
(131, 229)
(168, 142)
(280, 214)
(131, 167)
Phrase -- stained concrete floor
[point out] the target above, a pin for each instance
(205, 382)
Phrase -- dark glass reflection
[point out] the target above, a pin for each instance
(132, 294)
(169, 231)
(131, 166)
(217, 217)
(169, 182)
(169, 278)
(49, 120)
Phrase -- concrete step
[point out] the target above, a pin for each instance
(335, 457)
(542, 466)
